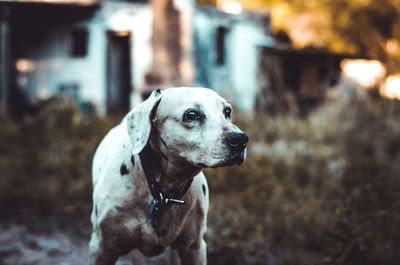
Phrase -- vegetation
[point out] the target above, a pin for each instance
(367, 28)
(45, 165)
(319, 190)
(323, 190)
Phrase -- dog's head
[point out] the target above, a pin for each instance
(189, 124)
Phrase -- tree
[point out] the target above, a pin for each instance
(371, 27)
(366, 28)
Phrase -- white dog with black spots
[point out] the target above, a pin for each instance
(184, 130)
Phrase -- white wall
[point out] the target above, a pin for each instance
(243, 60)
(237, 78)
(52, 66)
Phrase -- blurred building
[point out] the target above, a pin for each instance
(226, 57)
(295, 80)
(94, 51)
(238, 55)
(111, 53)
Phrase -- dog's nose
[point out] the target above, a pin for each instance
(237, 141)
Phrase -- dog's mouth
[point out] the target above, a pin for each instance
(232, 159)
(236, 159)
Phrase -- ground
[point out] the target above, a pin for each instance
(48, 241)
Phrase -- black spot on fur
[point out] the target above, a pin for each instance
(95, 210)
(204, 189)
(133, 160)
(124, 170)
(158, 91)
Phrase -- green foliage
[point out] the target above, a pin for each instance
(319, 190)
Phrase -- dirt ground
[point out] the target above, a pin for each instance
(47, 242)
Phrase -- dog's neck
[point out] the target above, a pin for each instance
(171, 174)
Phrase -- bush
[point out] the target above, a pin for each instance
(46, 160)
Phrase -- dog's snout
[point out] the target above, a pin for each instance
(237, 141)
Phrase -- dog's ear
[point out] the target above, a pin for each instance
(139, 121)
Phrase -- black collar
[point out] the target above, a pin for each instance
(161, 199)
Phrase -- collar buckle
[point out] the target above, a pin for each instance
(165, 200)
(173, 201)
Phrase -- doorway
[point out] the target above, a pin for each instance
(118, 72)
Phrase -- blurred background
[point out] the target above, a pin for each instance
(315, 84)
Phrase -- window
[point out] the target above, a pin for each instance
(69, 90)
(79, 42)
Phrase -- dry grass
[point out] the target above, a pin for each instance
(319, 190)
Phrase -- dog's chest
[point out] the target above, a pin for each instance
(141, 231)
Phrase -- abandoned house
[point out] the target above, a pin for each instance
(295, 80)
(94, 51)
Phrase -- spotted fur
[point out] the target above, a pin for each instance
(181, 148)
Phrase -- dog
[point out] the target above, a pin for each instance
(149, 192)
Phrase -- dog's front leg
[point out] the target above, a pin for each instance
(98, 255)
(174, 258)
(136, 257)
(194, 253)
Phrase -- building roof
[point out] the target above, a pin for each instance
(285, 50)
(47, 12)
(54, 2)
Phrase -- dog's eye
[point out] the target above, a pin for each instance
(192, 115)
(227, 112)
